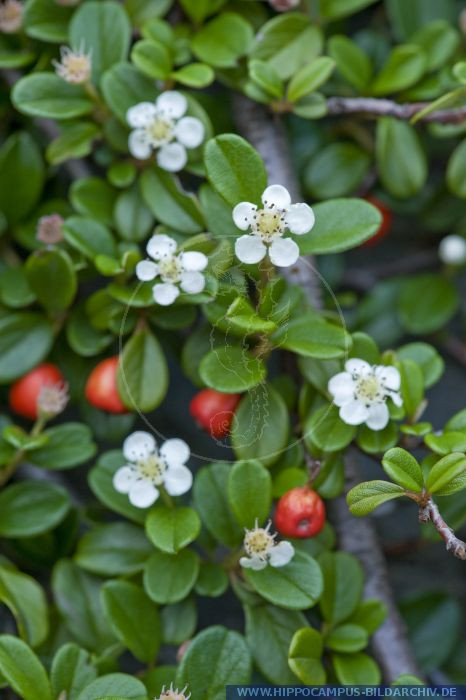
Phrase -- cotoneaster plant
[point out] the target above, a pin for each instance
(187, 190)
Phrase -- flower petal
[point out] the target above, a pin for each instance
(138, 144)
(124, 478)
(175, 451)
(165, 293)
(192, 282)
(172, 103)
(161, 246)
(143, 494)
(354, 412)
(141, 114)
(281, 554)
(396, 398)
(172, 157)
(139, 445)
(300, 219)
(341, 386)
(193, 261)
(356, 366)
(378, 416)
(277, 196)
(178, 480)
(250, 249)
(254, 563)
(389, 376)
(283, 252)
(243, 215)
(189, 131)
(146, 270)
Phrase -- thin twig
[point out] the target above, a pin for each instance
(430, 513)
(374, 107)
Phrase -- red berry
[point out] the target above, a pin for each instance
(300, 513)
(24, 393)
(384, 227)
(101, 387)
(214, 411)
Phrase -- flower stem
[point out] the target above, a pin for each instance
(166, 498)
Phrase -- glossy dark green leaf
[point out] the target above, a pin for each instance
(115, 549)
(72, 669)
(249, 492)
(169, 578)
(343, 583)
(172, 529)
(27, 602)
(142, 376)
(210, 500)
(231, 370)
(22, 669)
(30, 508)
(403, 469)
(68, 445)
(305, 655)
(223, 40)
(55, 266)
(47, 95)
(364, 498)
(21, 176)
(169, 203)
(400, 157)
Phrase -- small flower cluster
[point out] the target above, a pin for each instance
(163, 127)
(361, 393)
(11, 16)
(261, 549)
(176, 271)
(75, 66)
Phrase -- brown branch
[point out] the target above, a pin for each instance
(374, 107)
(430, 512)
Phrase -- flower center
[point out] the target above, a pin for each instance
(258, 542)
(170, 269)
(76, 67)
(368, 388)
(160, 131)
(269, 223)
(152, 468)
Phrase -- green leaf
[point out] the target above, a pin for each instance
(347, 638)
(133, 617)
(223, 40)
(101, 484)
(168, 203)
(336, 9)
(25, 340)
(46, 20)
(412, 386)
(311, 336)
(91, 238)
(406, 18)
(116, 549)
(72, 670)
(21, 176)
(229, 160)
(114, 686)
(296, 586)
(75, 141)
(355, 669)
(305, 656)
(341, 224)
(365, 497)
(169, 578)
(446, 442)
(438, 40)
(14, 289)
(83, 338)
(196, 75)
(310, 77)
(427, 302)
(403, 469)
(179, 621)
(55, 266)
(210, 500)
(369, 614)
(215, 658)
(47, 95)
(377, 441)
(142, 376)
(22, 669)
(31, 507)
(140, 11)
(133, 220)
(352, 62)
(337, 170)
(456, 171)
(401, 160)
(325, 429)
(404, 67)
(263, 75)
(152, 58)
(123, 86)
(68, 445)
(94, 198)
(249, 492)
(231, 370)
(27, 602)
(428, 359)
(104, 29)
(172, 529)
(261, 426)
(343, 584)
(212, 580)
(447, 475)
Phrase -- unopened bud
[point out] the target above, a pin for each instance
(49, 229)
(452, 250)
(52, 400)
(11, 16)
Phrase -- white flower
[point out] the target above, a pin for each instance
(162, 126)
(362, 390)
(75, 66)
(452, 250)
(175, 270)
(261, 549)
(268, 225)
(171, 694)
(11, 16)
(149, 469)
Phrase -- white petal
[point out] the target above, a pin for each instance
(396, 398)
(300, 219)
(178, 480)
(355, 366)
(175, 451)
(139, 445)
(190, 132)
(452, 250)
(138, 145)
(161, 246)
(172, 157)
(281, 554)
(254, 563)
(146, 270)
(141, 114)
(172, 103)
(389, 376)
(277, 195)
(283, 252)
(165, 293)
(123, 479)
(341, 386)
(192, 282)
(143, 494)
(250, 249)
(354, 412)
(243, 215)
(378, 416)
(193, 261)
